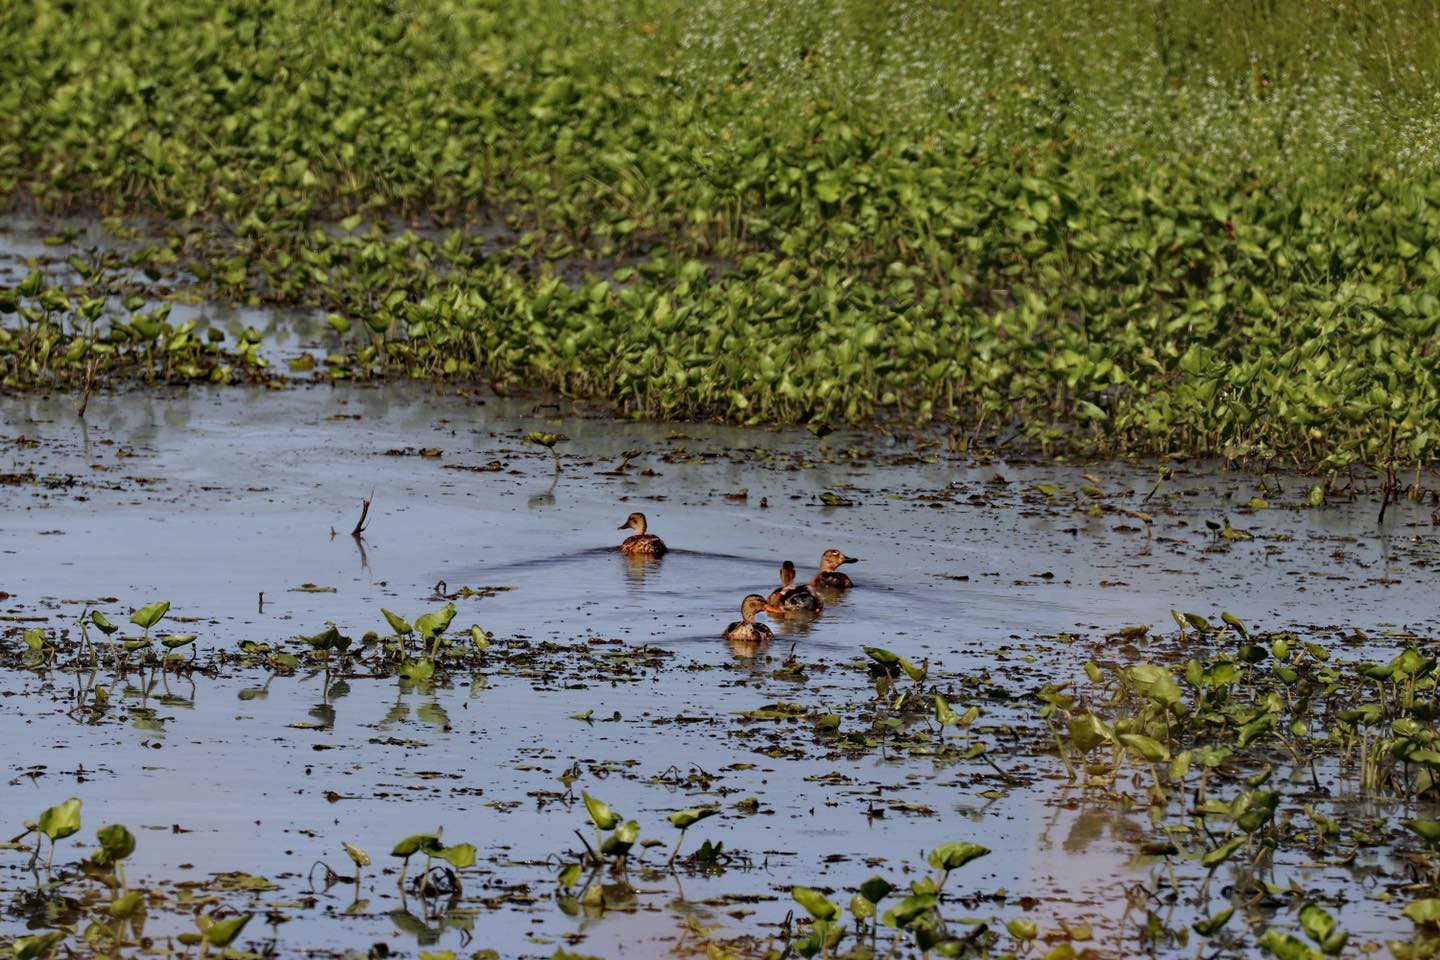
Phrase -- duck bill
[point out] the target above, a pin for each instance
(624, 526)
(850, 560)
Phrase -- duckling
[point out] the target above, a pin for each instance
(791, 597)
(642, 544)
(829, 578)
(746, 630)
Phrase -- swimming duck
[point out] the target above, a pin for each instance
(791, 597)
(746, 630)
(829, 578)
(642, 544)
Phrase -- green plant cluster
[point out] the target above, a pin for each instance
(1178, 229)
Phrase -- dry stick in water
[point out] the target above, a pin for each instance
(85, 393)
(364, 512)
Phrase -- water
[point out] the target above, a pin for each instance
(225, 500)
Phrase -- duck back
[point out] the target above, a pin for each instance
(797, 598)
(742, 632)
(644, 545)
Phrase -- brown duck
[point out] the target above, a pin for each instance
(791, 597)
(746, 630)
(640, 544)
(830, 578)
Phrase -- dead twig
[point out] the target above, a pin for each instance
(364, 513)
(85, 391)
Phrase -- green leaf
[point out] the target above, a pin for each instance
(61, 821)
(1427, 830)
(101, 621)
(1238, 624)
(1147, 748)
(907, 911)
(415, 843)
(1255, 729)
(1423, 912)
(945, 715)
(150, 614)
(432, 624)
(36, 945)
(361, 858)
(619, 843)
(1285, 947)
(600, 813)
(123, 907)
(1317, 924)
(816, 903)
(876, 889)
(1220, 854)
(459, 856)
(1088, 731)
(1198, 622)
(328, 639)
(116, 843)
(222, 932)
(883, 657)
(918, 674)
(691, 815)
(1254, 809)
(1211, 925)
(954, 855)
(1024, 930)
(417, 670)
(827, 189)
(397, 623)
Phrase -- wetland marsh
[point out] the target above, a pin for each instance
(336, 340)
(256, 756)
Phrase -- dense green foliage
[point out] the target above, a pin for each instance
(1153, 226)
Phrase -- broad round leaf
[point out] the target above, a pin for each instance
(222, 932)
(150, 614)
(954, 855)
(600, 813)
(816, 903)
(691, 815)
(61, 821)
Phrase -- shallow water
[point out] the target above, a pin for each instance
(215, 498)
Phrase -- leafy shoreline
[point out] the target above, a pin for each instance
(1180, 236)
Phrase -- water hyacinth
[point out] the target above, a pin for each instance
(1164, 238)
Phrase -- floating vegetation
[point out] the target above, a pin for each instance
(1246, 750)
(845, 214)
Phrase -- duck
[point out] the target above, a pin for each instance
(791, 597)
(641, 544)
(746, 630)
(829, 578)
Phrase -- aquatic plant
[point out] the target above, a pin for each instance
(1161, 230)
(683, 820)
(57, 823)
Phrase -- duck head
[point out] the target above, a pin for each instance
(750, 606)
(831, 559)
(636, 522)
(787, 574)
